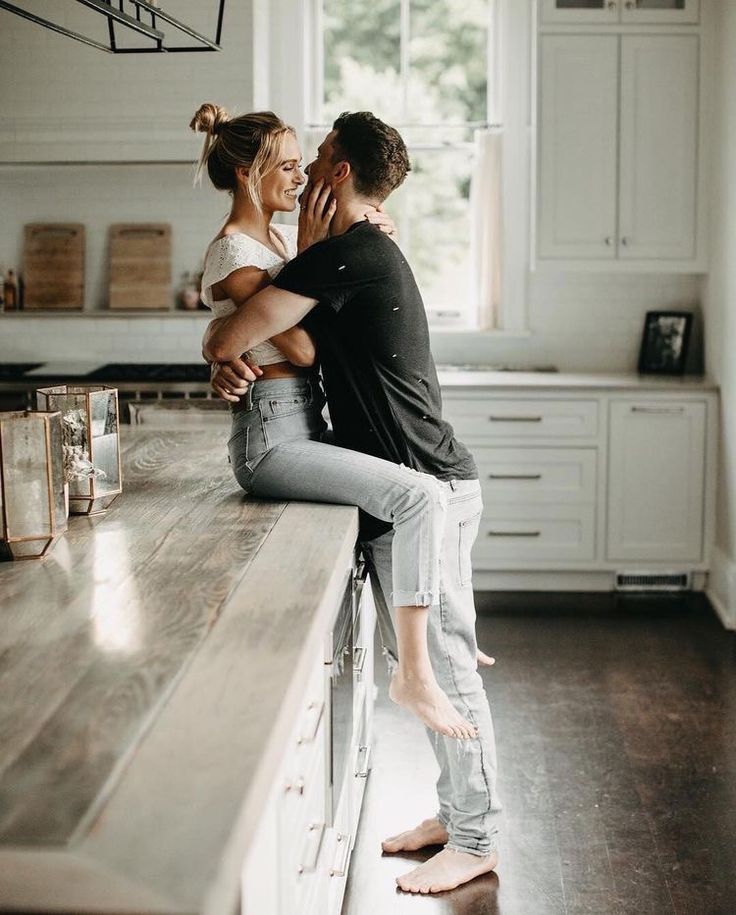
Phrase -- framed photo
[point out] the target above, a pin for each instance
(664, 342)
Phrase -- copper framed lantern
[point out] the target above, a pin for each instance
(32, 504)
(91, 443)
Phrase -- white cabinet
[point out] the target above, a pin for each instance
(578, 123)
(619, 177)
(656, 481)
(658, 151)
(613, 12)
(618, 142)
(299, 859)
(581, 483)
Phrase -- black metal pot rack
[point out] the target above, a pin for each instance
(136, 18)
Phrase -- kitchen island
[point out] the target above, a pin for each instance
(152, 670)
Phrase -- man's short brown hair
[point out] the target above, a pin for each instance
(375, 151)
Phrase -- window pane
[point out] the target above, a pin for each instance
(431, 210)
(362, 58)
(448, 57)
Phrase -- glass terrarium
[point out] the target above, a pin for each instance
(32, 504)
(91, 437)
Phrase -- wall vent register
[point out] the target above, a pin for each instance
(653, 581)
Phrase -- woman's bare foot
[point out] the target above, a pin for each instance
(446, 870)
(429, 832)
(484, 660)
(430, 704)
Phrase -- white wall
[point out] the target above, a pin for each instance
(84, 103)
(720, 298)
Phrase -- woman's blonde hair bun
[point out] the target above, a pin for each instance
(209, 118)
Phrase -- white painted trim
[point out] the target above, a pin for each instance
(557, 581)
(721, 590)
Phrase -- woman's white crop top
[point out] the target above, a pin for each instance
(231, 252)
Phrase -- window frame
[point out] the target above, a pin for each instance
(286, 52)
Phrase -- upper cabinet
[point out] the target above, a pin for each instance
(658, 146)
(578, 161)
(618, 185)
(614, 12)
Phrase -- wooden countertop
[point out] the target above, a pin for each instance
(150, 670)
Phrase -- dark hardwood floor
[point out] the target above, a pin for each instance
(616, 728)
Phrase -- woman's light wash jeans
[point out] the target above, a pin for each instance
(276, 452)
(469, 807)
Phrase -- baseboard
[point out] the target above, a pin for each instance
(721, 590)
(557, 581)
(543, 581)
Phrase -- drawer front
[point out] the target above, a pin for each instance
(521, 533)
(537, 474)
(302, 827)
(494, 419)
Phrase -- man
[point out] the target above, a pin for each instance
(356, 293)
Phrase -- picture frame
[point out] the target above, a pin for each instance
(664, 342)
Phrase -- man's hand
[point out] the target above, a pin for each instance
(230, 380)
(315, 214)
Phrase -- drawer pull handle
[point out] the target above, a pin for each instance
(313, 843)
(515, 419)
(514, 533)
(340, 866)
(657, 409)
(359, 656)
(514, 476)
(315, 710)
(297, 786)
(362, 763)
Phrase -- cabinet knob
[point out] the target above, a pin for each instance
(611, 4)
(625, 240)
(609, 240)
(630, 4)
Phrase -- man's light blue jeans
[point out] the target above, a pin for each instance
(469, 807)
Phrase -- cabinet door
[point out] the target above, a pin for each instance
(655, 12)
(598, 11)
(656, 478)
(578, 121)
(659, 131)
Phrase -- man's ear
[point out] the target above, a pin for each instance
(341, 173)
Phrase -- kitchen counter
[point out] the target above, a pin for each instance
(553, 381)
(150, 670)
(195, 377)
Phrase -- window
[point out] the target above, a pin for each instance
(423, 66)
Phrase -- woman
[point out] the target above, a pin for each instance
(256, 158)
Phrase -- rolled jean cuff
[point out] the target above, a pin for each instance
(478, 852)
(414, 598)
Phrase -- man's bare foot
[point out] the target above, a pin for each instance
(484, 660)
(446, 870)
(429, 832)
(430, 704)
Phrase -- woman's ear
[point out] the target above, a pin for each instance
(241, 173)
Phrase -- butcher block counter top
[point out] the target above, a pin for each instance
(150, 669)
